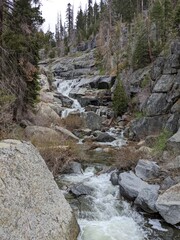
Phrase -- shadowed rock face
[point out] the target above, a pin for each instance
(32, 206)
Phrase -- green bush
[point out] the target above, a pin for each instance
(161, 140)
(120, 101)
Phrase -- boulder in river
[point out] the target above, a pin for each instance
(146, 169)
(81, 189)
(131, 185)
(103, 137)
(147, 198)
(32, 206)
(168, 204)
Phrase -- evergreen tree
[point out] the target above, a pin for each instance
(21, 46)
(69, 20)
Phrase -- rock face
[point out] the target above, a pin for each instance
(168, 204)
(163, 96)
(92, 121)
(32, 206)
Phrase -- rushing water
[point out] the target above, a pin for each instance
(65, 87)
(105, 216)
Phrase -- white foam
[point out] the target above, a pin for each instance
(157, 225)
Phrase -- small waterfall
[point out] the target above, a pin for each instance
(65, 87)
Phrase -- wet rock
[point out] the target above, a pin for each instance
(146, 169)
(173, 143)
(92, 120)
(130, 185)
(147, 198)
(80, 189)
(168, 204)
(73, 167)
(103, 137)
(32, 206)
(171, 64)
(114, 178)
(66, 101)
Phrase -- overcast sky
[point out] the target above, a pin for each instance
(50, 9)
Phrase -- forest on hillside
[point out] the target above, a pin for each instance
(125, 33)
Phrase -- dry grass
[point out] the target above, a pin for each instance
(73, 121)
(126, 158)
(57, 152)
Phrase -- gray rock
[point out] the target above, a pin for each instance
(156, 104)
(172, 123)
(171, 64)
(173, 143)
(164, 84)
(157, 68)
(73, 167)
(114, 178)
(167, 183)
(175, 47)
(66, 101)
(147, 198)
(103, 137)
(146, 169)
(130, 185)
(80, 189)
(168, 204)
(92, 120)
(145, 126)
(176, 107)
(150, 140)
(32, 206)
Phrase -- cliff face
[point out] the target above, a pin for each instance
(32, 206)
(160, 87)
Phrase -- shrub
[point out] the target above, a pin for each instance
(120, 101)
(160, 142)
(72, 122)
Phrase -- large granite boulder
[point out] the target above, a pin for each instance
(145, 126)
(147, 198)
(168, 204)
(45, 115)
(32, 206)
(146, 169)
(173, 143)
(38, 134)
(131, 185)
(92, 120)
